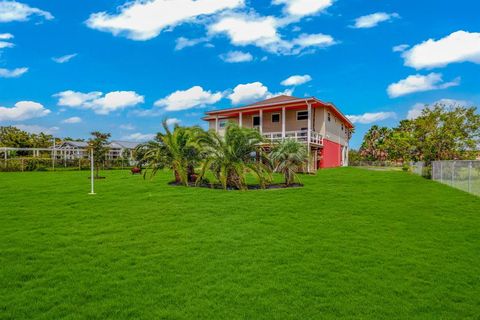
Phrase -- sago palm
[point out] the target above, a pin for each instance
(176, 149)
(288, 157)
(230, 156)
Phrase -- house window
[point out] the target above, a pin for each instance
(342, 126)
(328, 117)
(256, 121)
(275, 117)
(302, 115)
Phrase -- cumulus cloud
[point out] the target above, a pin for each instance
(144, 20)
(304, 7)
(244, 93)
(460, 46)
(420, 83)
(296, 80)
(372, 20)
(172, 121)
(367, 118)
(65, 58)
(187, 99)
(72, 120)
(98, 102)
(23, 110)
(236, 57)
(251, 92)
(416, 110)
(251, 29)
(12, 73)
(16, 11)
(139, 136)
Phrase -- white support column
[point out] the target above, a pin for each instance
(309, 133)
(216, 123)
(283, 123)
(261, 121)
(240, 119)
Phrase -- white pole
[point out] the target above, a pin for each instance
(240, 119)
(283, 123)
(261, 121)
(53, 155)
(92, 190)
(470, 176)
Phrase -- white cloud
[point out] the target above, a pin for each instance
(400, 48)
(144, 20)
(419, 83)
(5, 44)
(187, 99)
(23, 110)
(304, 7)
(13, 73)
(72, 120)
(99, 103)
(372, 20)
(6, 36)
(71, 98)
(236, 57)
(416, 110)
(245, 29)
(252, 92)
(65, 58)
(244, 93)
(250, 29)
(296, 80)
(37, 129)
(367, 118)
(172, 121)
(460, 46)
(16, 11)
(139, 136)
(182, 42)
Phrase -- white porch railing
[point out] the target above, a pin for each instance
(299, 135)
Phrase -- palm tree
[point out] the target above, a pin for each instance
(288, 157)
(177, 149)
(230, 156)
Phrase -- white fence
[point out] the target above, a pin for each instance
(460, 174)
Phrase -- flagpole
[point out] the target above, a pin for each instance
(92, 190)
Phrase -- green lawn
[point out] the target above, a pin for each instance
(352, 243)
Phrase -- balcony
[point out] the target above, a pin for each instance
(299, 135)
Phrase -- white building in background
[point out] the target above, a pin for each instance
(71, 150)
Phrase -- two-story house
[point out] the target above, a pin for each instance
(320, 125)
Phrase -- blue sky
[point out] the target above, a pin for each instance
(70, 67)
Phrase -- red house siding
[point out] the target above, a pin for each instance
(331, 154)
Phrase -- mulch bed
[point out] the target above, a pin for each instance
(249, 187)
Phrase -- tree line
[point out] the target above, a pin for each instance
(439, 133)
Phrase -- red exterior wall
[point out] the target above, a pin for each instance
(331, 154)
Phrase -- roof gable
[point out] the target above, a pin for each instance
(277, 99)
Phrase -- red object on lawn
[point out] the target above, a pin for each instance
(136, 170)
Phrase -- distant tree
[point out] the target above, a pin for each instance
(374, 144)
(98, 143)
(14, 138)
(439, 133)
(354, 156)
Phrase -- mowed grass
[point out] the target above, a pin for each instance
(352, 244)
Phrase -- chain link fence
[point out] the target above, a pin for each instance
(460, 174)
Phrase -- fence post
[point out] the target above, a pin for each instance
(453, 171)
(469, 176)
(441, 171)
